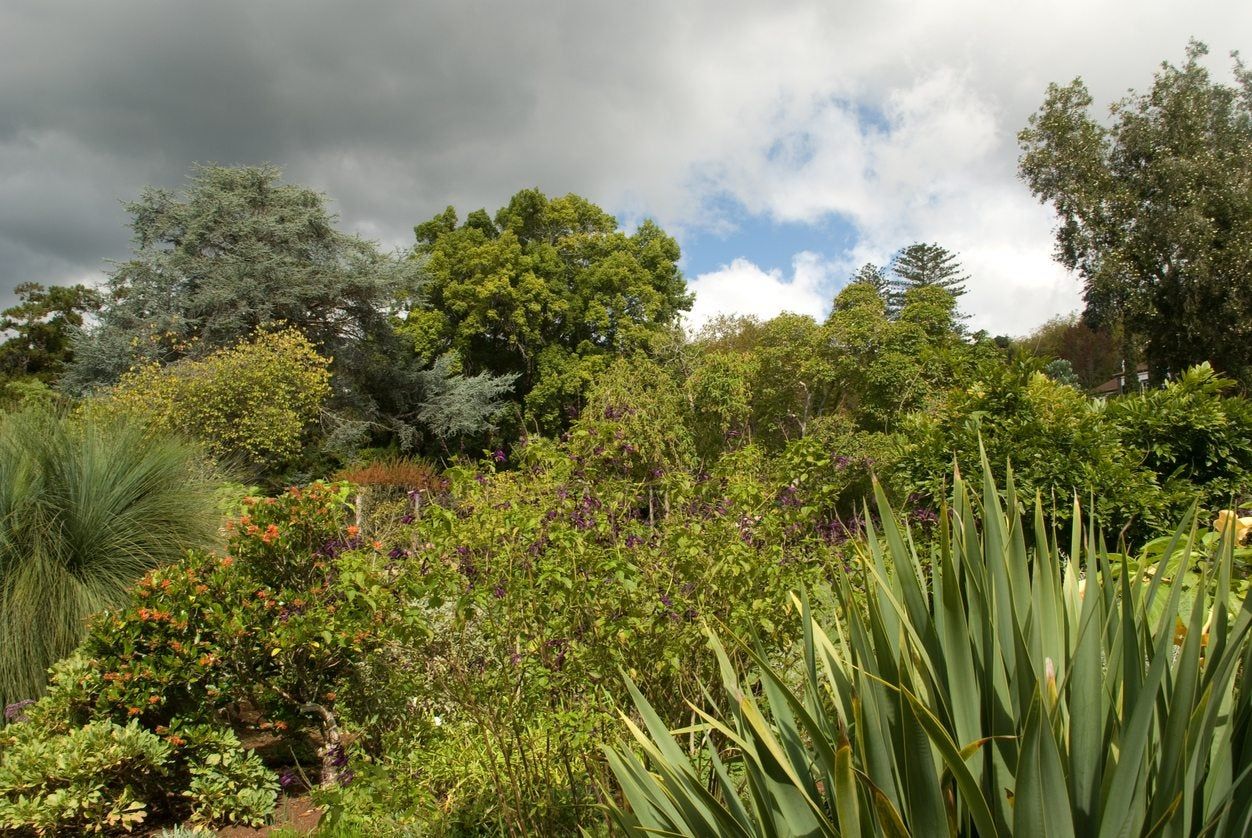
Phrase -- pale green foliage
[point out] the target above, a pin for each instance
(108, 778)
(991, 690)
(80, 780)
(457, 405)
(254, 402)
(86, 508)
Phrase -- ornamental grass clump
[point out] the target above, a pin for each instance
(87, 506)
(1000, 689)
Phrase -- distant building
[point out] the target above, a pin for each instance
(1118, 384)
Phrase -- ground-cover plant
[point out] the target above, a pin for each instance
(1002, 693)
(87, 506)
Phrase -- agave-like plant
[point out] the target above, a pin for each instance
(87, 506)
(1001, 689)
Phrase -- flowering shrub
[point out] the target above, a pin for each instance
(276, 632)
(551, 578)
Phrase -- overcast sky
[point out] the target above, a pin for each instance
(783, 143)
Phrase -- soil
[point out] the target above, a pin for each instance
(297, 813)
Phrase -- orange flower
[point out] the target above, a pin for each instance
(271, 534)
(133, 711)
(153, 699)
(280, 725)
(200, 589)
(227, 561)
(353, 531)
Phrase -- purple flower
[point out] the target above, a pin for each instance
(498, 455)
(406, 519)
(16, 712)
(338, 756)
(498, 593)
(666, 601)
(398, 553)
(289, 779)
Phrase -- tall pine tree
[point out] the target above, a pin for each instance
(921, 265)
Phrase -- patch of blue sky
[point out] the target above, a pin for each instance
(765, 242)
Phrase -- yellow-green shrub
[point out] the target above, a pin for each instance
(255, 401)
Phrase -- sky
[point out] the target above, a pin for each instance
(782, 143)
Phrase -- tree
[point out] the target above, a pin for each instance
(236, 251)
(877, 278)
(239, 250)
(1155, 212)
(1091, 353)
(921, 265)
(545, 272)
(42, 324)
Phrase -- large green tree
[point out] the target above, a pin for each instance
(540, 288)
(238, 250)
(1155, 211)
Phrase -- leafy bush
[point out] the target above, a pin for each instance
(1003, 694)
(86, 508)
(252, 403)
(108, 778)
(539, 584)
(1195, 435)
(1060, 441)
(281, 635)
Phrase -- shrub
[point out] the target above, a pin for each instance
(1195, 435)
(108, 778)
(253, 403)
(539, 584)
(282, 634)
(86, 508)
(1060, 441)
(1005, 694)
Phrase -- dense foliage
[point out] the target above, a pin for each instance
(1155, 211)
(86, 508)
(1001, 690)
(550, 497)
(253, 403)
(539, 291)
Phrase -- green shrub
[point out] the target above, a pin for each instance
(1000, 694)
(108, 778)
(539, 583)
(252, 404)
(283, 635)
(86, 508)
(1061, 442)
(1195, 435)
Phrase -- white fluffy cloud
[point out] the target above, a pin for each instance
(743, 288)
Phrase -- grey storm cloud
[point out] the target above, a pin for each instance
(904, 111)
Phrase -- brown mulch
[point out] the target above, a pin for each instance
(296, 813)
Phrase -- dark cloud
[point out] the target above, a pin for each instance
(398, 108)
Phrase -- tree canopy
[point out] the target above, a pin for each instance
(1155, 211)
(546, 282)
(41, 326)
